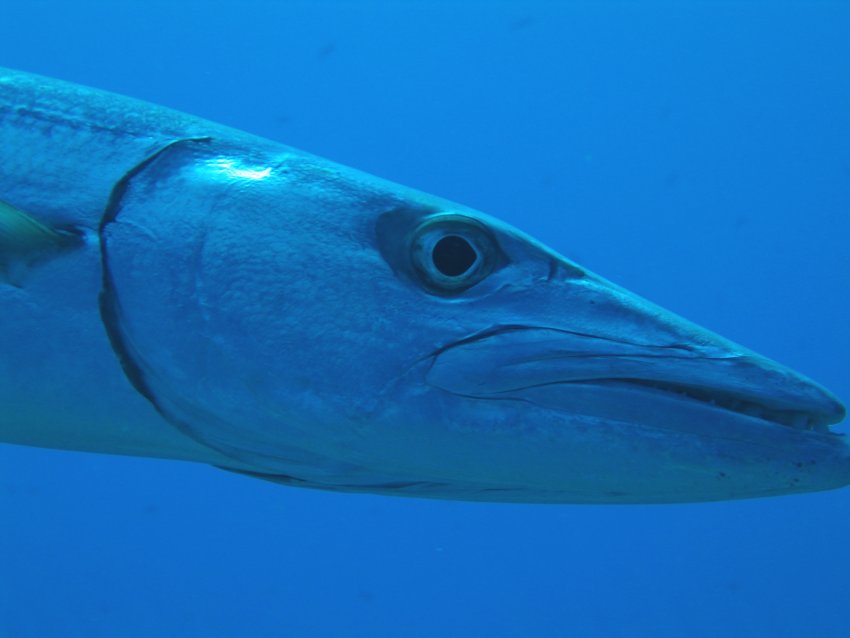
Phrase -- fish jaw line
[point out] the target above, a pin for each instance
(554, 365)
(532, 447)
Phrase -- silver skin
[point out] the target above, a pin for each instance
(224, 299)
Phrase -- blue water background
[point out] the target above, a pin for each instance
(697, 153)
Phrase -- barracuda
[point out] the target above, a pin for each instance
(174, 288)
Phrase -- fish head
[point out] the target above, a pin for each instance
(590, 392)
(325, 328)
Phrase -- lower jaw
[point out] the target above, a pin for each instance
(641, 405)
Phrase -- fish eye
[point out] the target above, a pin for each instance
(451, 253)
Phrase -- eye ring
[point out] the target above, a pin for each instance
(451, 253)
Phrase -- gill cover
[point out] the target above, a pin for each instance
(199, 299)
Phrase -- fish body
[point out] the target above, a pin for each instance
(174, 288)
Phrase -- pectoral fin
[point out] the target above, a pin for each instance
(26, 242)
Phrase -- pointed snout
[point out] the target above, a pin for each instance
(511, 359)
(606, 337)
(583, 392)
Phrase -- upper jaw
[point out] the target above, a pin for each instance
(702, 378)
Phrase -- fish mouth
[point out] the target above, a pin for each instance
(801, 419)
(672, 385)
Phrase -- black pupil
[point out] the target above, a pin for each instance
(453, 255)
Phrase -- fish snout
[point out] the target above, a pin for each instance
(589, 374)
